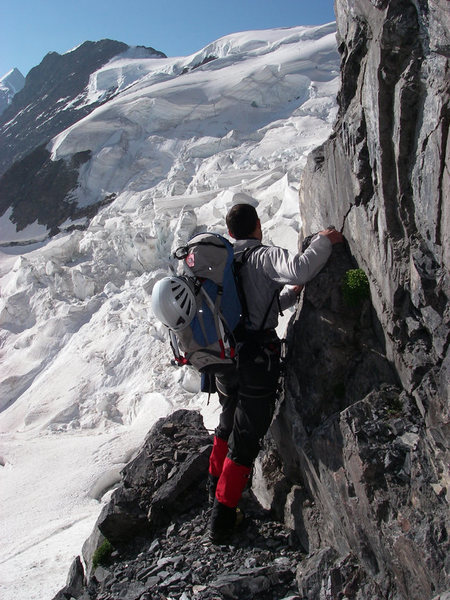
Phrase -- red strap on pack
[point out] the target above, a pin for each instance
(181, 360)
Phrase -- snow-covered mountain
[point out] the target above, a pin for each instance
(10, 84)
(84, 367)
(55, 96)
(225, 108)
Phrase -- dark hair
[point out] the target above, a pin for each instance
(242, 220)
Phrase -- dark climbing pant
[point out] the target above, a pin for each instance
(227, 384)
(247, 396)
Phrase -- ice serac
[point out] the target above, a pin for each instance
(368, 454)
(157, 123)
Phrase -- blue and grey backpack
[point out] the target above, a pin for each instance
(209, 269)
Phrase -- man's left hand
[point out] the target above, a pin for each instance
(333, 235)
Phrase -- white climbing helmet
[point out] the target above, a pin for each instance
(173, 302)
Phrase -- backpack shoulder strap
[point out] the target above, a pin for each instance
(276, 297)
(244, 255)
(240, 262)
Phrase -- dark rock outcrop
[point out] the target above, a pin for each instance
(75, 582)
(362, 434)
(157, 522)
(162, 480)
(37, 189)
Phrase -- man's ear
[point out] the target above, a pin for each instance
(231, 235)
(258, 231)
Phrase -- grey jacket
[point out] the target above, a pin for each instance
(269, 268)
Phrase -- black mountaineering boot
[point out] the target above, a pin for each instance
(211, 485)
(222, 523)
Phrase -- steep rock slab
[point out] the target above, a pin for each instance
(366, 497)
(369, 460)
(383, 175)
(371, 474)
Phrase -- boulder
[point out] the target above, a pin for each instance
(164, 479)
(75, 582)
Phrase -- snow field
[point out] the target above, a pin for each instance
(84, 368)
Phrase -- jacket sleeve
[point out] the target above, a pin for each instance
(285, 268)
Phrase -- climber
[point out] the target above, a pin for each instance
(247, 395)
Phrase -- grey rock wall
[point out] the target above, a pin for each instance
(384, 176)
(351, 465)
(362, 435)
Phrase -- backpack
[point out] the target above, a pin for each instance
(210, 270)
(216, 321)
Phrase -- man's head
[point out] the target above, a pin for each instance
(243, 222)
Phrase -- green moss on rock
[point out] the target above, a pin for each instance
(102, 555)
(355, 287)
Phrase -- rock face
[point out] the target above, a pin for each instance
(360, 443)
(355, 474)
(383, 176)
(156, 484)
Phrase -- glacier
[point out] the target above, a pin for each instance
(84, 368)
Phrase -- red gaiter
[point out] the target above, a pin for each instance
(217, 456)
(231, 483)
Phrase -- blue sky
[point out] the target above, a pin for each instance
(31, 28)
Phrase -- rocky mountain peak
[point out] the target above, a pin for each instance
(10, 84)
